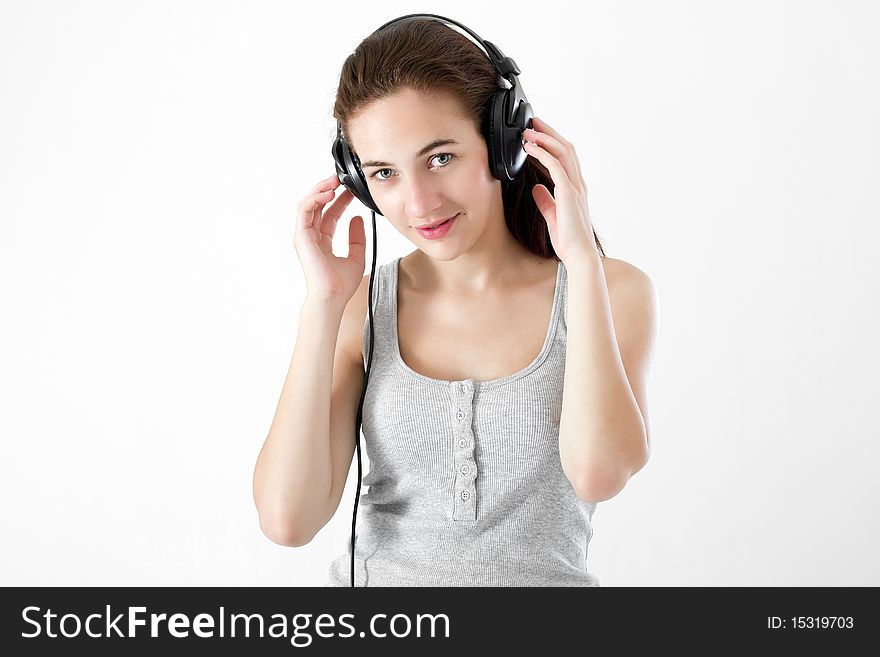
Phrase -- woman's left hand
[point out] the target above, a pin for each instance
(567, 215)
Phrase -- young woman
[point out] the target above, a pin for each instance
(506, 395)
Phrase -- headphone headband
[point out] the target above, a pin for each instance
(503, 64)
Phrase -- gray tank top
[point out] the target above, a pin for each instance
(465, 486)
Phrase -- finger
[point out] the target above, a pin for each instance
(310, 208)
(545, 202)
(334, 212)
(542, 126)
(557, 171)
(357, 239)
(328, 183)
(559, 150)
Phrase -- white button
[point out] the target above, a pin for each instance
(465, 495)
(462, 442)
(459, 415)
(464, 469)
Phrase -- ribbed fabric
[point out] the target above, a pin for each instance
(466, 486)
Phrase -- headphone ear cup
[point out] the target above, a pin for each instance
(349, 172)
(493, 136)
(516, 154)
(506, 153)
(510, 134)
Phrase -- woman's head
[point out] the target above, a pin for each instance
(407, 85)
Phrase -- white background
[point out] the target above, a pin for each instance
(151, 159)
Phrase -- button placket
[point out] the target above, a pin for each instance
(465, 492)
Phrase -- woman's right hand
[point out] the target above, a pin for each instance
(328, 277)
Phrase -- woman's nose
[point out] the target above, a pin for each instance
(422, 199)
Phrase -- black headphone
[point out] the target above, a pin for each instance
(508, 113)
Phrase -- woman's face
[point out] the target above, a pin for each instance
(415, 185)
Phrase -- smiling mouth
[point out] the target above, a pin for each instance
(438, 224)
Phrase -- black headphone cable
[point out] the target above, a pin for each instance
(360, 414)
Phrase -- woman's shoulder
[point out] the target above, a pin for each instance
(620, 271)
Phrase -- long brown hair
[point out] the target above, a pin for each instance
(430, 57)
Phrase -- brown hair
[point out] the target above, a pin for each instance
(430, 57)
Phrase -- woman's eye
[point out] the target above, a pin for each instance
(381, 178)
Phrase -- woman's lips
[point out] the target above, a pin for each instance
(439, 231)
(437, 225)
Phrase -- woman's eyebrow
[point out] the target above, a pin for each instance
(434, 144)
